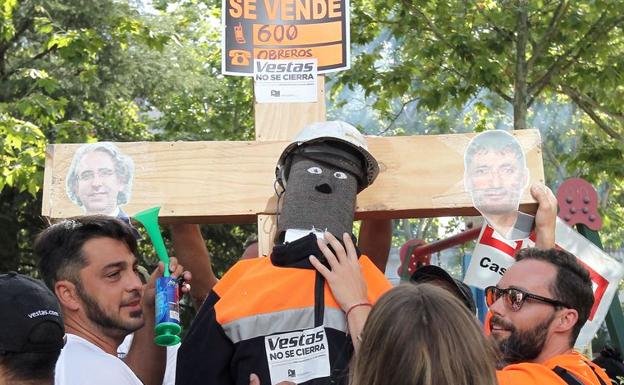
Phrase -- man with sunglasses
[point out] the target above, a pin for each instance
(538, 309)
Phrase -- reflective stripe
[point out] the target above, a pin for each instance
(282, 321)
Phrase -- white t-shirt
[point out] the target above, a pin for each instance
(83, 363)
(172, 355)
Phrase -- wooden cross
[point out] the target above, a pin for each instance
(232, 181)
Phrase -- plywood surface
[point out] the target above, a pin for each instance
(282, 121)
(232, 182)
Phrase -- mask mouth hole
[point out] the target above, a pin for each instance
(323, 188)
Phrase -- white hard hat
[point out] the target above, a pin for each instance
(337, 131)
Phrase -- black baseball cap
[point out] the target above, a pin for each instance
(30, 318)
(428, 273)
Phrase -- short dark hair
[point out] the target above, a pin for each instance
(494, 140)
(29, 366)
(59, 247)
(572, 285)
(33, 366)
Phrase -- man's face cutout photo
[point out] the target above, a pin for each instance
(495, 176)
(100, 179)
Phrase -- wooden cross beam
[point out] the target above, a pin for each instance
(232, 181)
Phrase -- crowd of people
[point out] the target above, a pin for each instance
(317, 310)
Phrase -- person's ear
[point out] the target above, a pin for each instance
(67, 294)
(566, 320)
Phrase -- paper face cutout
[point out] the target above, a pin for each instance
(99, 179)
(495, 176)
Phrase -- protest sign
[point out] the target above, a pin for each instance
(285, 81)
(493, 255)
(284, 30)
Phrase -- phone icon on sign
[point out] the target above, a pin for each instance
(238, 34)
(239, 57)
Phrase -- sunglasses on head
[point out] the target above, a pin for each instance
(515, 298)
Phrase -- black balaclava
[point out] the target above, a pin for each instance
(322, 184)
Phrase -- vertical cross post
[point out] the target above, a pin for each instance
(282, 121)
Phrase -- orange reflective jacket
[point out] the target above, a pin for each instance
(254, 313)
(576, 364)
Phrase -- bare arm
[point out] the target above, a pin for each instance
(546, 216)
(146, 359)
(191, 251)
(375, 239)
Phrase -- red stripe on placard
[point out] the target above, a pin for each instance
(489, 240)
(601, 282)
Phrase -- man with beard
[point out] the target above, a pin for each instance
(495, 176)
(538, 309)
(89, 263)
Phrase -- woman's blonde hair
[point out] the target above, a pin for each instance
(422, 335)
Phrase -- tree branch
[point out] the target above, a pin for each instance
(18, 33)
(443, 39)
(604, 196)
(430, 23)
(540, 83)
(494, 88)
(592, 114)
(520, 76)
(27, 62)
(593, 103)
(396, 116)
(539, 48)
(502, 94)
(507, 34)
(562, 62)
(20, 30)
(553, 160)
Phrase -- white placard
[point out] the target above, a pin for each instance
(493, 255)
(298, 356)
(285, 81)
(604, 270)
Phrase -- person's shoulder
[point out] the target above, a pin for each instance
(580, 366)
(369, 269)
(527, 373)
(78, 346)
(235, 273)
(376, 280)
(82, 362)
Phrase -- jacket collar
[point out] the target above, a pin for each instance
(296, 253)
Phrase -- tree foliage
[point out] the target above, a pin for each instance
(86, 70)
(440, 54)
(455, 66)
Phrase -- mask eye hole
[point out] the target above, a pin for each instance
(340, 175)
(315, 170)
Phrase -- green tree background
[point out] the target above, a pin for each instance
(89, 70)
